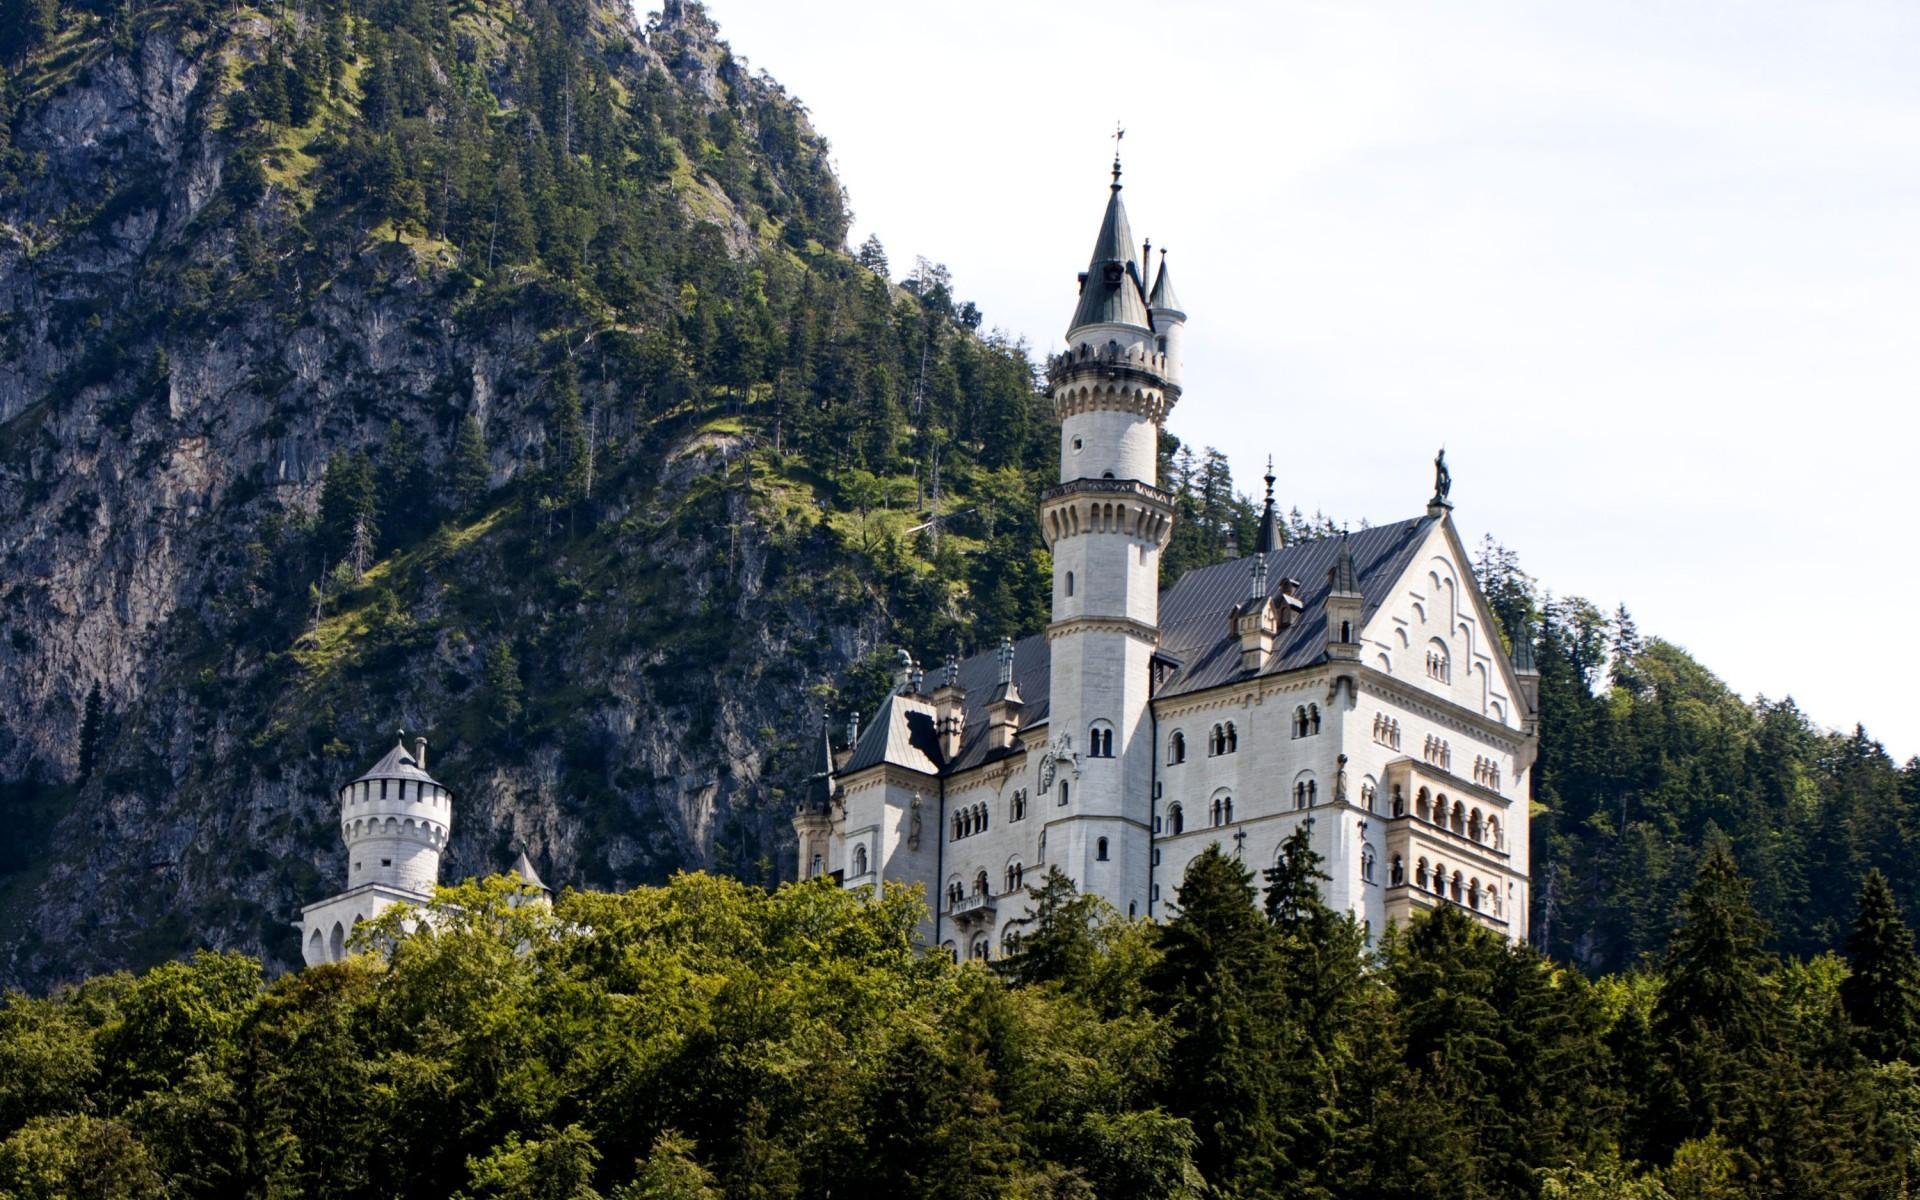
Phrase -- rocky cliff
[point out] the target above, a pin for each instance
(493, 370)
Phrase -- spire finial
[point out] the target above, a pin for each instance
(1270, 479)
(1272, 536)
(1118, 133)
(1006, 660)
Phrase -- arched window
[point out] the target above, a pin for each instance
(1473, 894)
(1313, 718)
(1399, 801)
(1063, 791)
(953, 952)
(1300, 794)
(1069, 583)
(984, 816)
(1100, 740)
(1214, 811)
(1420, 875)
(1440, 880)
(1233, 738)
(813, 868)
(955, 893)
(980, 884)
(1459, 817)
(1217, 741)
(1176, 819)
(1399, 869)
(1016, 876)
(1226, 805)
(1176, 748)
(1100, 849)
(1493, 833)
(1422, 806)
(981, 948)
(1010, 941)
(860, 860)
(1439, 665)
(1367, 795)
(1475, 827)
(1366, 863)
(1300, 721)
(1346, 632)
(1456, 887)
(337, 943)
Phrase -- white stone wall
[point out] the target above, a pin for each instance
(395, 830)
(1105, 443)
(326, 928)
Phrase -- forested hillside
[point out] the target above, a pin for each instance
(709, 1039)
(498, 369)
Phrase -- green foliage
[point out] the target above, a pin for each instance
(1882, 988)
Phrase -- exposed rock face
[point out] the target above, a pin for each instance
(161, 427)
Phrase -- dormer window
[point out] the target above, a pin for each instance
(1113, 272)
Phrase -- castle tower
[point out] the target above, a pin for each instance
(395, 820)
(1106, 523)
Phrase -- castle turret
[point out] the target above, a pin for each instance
(1344, 602)
(1169, 320)
(395, 820)
(813, 816)
(1106, 522)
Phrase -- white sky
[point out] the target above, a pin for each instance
(1650, 270)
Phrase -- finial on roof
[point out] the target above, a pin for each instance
(1272, 535)
(953, 670)
(853, 728)
(1006, 660)
(1118, 133)
(1342, 576)
(1442, 484)
(1257, 583)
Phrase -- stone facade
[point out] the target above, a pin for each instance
(1353, 685)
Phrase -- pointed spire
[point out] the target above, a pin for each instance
(1163, 297)
(1272, 536)
(523, 867)
(1111, 291)
(1342, 576)
(1523, 660)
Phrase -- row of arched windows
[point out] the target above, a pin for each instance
(1438, 665)
(1222, 810)
(1306, 720)
(1468, 823)
(1438, 752)
(969, 821)
(1223, 740)
(1017, 807)
(1486, 772)
(1306, 793)
(1386, 730)
(1467, 890)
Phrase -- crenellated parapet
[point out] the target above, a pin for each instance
(1124, 506)
(1131, 379)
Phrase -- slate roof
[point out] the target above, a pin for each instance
(1114, 297)
(398, 764)
(1194, 634)
(1163, 296)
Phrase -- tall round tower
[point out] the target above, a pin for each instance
(1106, 522)
(395, 820)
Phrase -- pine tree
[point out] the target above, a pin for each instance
(1056, 938)
(349, 506)
(471, 470)
(1882, 994)
(502, 671)
(873, 256)
(91, 720)
(1214, 982)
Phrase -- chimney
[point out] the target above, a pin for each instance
(950, 710)
(1003, 707)
(420, 751)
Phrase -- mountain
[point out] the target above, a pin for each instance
(497, 370)
(491, 370)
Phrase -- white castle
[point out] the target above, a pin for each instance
(395, 820)
(1353, 685)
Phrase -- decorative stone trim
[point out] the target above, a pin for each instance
(1132, 628)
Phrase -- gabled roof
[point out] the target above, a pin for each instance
(1193, 612)
(398, 764)
(902, 733)
(1111, 292)
(1195, 634)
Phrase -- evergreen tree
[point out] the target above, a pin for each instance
(1882, 992)
(873, 256)
(1057, 944)
(1214, 982)
(349, 519)
(471, 470)
(91, 721)
(504, 688)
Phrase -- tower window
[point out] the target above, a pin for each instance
(1100, 850)
(386, 862)
(1177, 819)
(1063, 791)
(1078, 445)
(1069, 583)
(1176, 748)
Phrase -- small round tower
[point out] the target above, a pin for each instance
(395, 820)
